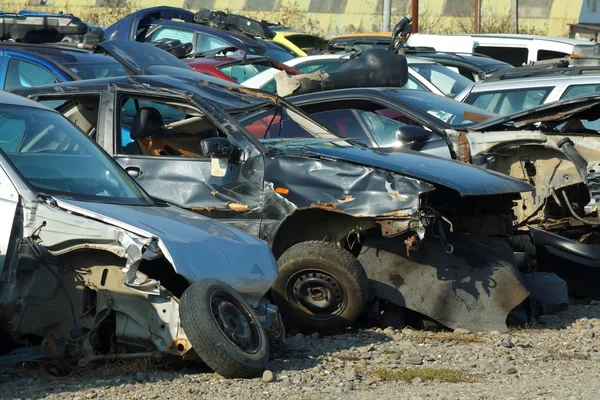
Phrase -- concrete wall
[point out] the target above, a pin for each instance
(330, 17)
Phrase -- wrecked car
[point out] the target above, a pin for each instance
(553, 147)
(93, 268)
(348, 224)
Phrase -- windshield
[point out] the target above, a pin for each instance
(56, 158)
(449, 82)
(96, 70)
(452, 112)
(274, 53)
(243, 72)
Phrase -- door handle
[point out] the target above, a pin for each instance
(134, 172)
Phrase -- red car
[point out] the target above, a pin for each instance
(236, 68)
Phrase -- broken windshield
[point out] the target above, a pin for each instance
(55, 158)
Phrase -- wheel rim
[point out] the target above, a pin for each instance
(235, 322)
(317, 294)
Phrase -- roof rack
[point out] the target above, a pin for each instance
(558, 68)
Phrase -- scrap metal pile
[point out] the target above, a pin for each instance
(184, 185)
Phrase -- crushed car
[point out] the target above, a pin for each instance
(94, 268)
(348, 225)
(553, 147)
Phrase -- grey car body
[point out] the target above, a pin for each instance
(104, 241)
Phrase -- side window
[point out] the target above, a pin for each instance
(156, 128)
(319, 66)
(580, 90)
(23, 74)
(206, 43)
(549, 55)
(270, 86)
(509, 101)
(515, 56)
(184, 36)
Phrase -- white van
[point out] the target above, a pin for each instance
(513, 49)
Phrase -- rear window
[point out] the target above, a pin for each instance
(448, 81)
(97, 70)
(507, 102)
(549, 55)
(515, 56)
(580, 90)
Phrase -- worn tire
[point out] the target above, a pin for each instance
(307, 265)
(199, 320)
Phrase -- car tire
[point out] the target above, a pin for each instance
(223, 329)
(320, 286)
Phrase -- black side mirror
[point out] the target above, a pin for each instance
(216, 147)
(412, 134)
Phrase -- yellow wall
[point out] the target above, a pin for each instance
(357, 15)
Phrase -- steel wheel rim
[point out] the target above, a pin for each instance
(235, 322)
(316, 294)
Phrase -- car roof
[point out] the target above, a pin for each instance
(563, 40)
(533, 82)
(223, 59)
(9, 99)
(57, 53)
(226, 97)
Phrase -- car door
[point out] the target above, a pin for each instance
(170, 162)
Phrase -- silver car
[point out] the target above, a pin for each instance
(92, 265)
(508, 96)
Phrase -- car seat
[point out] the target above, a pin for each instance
(147, 122)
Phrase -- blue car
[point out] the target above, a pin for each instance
(25, 65)
(156, 23)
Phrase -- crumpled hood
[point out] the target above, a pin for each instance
(466, 179)
(197, 246)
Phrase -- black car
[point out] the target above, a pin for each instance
(348, 224)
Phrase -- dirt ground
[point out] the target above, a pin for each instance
(558, 357)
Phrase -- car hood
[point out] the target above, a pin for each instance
(468, 180)
(135, 57)
(198, 247)
(557, 111)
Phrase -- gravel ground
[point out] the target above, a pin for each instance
(557, 358)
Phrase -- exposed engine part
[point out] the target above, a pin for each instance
(567, 146)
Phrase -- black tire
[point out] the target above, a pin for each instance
(338, 284)
(202, 308)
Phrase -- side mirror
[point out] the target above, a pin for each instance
(411, 134)
(216, 147)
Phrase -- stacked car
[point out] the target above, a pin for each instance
(197, 186)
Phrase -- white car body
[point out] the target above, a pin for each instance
(524, 48)
(415, 80)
